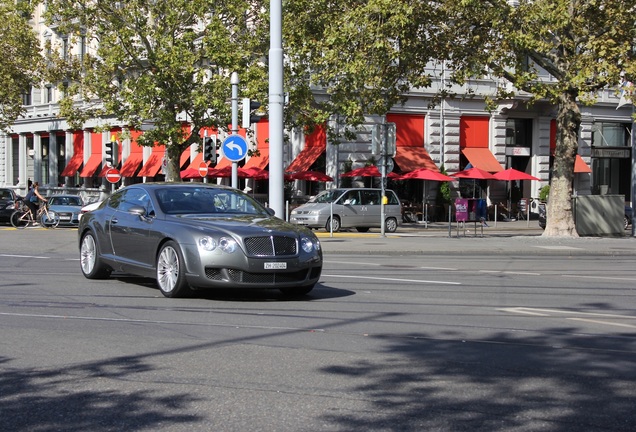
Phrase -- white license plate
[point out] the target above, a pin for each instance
(65, 218)
(275, 265)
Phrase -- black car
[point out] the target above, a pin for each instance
(7, 203)
(196, 236)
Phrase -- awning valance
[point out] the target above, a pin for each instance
(482, 158)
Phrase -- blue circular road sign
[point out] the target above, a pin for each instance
(234, 148)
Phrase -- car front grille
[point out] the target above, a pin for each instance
(270, 246)
(261, 279)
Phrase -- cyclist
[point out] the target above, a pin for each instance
(31, 199)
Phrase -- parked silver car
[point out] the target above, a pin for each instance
(192, 236)
(67, 207)
(358, 208)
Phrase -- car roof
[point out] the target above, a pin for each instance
(161, 185)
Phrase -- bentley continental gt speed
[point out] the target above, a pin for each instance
(191, 236)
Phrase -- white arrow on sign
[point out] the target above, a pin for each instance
(235, 147)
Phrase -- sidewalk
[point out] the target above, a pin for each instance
(506, 238)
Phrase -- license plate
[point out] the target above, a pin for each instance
(275, 265)
(65, 218)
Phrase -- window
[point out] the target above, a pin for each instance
(518, 133)
(611, 134)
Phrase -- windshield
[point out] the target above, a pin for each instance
(207, 200)
(327, 196)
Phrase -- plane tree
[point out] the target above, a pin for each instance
(154, 65)
(20, 50)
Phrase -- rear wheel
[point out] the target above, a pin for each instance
(335, 226)
(171, 271)
(391, 225)
(19, 219)
(626, 222)
(90, 262)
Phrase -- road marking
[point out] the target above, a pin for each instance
(511, 272)
(559, 247)
(24, 256)
(550, 312)
(603, 322)
(439, 268)
(392, 279)
(599, 277)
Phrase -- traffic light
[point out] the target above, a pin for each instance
(250, 113)
(112, 152)
(209, 149)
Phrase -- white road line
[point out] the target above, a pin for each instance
(391, 279)
(603, 322)
(550, 312)
(599, 277)
(23, 256)
(439, 268)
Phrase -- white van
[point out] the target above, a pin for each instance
(358, 208)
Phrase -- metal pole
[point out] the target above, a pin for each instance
(633, 174)
(276, 101)
(234, 80)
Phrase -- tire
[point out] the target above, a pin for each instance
(625, 222)
(19, 219)
(336, 224)
(90, 262)
(171, 272)
(50, 222)
(362, 229)
(297, 291)
(391, 225)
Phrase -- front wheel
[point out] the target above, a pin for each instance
(50, 219)
(90, 262)
(391, 225)
(333, 226)
(171, 271)
(625, 222)
(19, 219)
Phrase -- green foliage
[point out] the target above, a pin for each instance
(544, 193)
(160, 64)
(443, 197)
(20, 51)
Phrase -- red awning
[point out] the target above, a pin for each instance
(306, 158)
(412, 158)
(90, 167)
(259, 161)
(104, 170)
(580, 166)
(482, 158)
(73, 165)
(132, 163)
(185, 157)
(223, 163)
(196, 162)
(152, 165)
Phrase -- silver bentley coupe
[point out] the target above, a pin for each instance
(191, 236)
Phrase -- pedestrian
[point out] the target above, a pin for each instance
(32, 198)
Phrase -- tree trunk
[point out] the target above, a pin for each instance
(560, 219)
(173, 158)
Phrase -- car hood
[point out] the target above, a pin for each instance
(65, 208)
(245, 225)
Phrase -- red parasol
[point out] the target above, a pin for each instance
(475, 174)
(309, 176)
(512, 174)
(425, 174)
(368, 171)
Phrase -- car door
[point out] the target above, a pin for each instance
(131, 234)
(370, 212)
(349, 208)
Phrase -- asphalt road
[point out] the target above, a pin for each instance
(412, 338)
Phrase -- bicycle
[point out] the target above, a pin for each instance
(23, 217)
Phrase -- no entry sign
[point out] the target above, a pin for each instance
(113, 175)
(203, 169)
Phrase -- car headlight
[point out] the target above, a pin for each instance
(207, 243)
(308, 245)
(227, 244)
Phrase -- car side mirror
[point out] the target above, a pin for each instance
(270, 211)
(137, 210)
